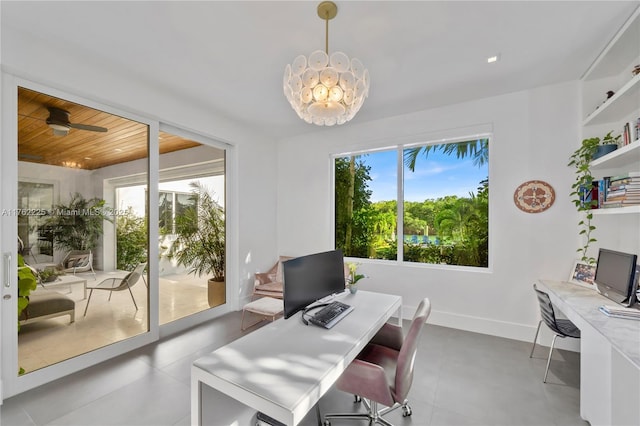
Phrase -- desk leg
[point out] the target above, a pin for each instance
(399, 311)
(196, 399)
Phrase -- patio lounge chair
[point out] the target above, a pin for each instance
(119, 284)
(79, 261)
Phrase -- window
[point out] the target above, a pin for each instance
(441, 206)
(172, 204)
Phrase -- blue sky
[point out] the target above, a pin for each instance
(436, 176)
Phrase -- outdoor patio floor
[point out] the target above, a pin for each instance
(53, 340)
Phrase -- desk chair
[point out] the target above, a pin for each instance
(561, 327)
(383, 372)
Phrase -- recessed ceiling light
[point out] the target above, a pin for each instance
(492, 59)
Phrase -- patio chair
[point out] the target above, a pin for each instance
(119, 284)
(79, 261)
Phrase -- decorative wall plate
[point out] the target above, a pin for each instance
(534, 196)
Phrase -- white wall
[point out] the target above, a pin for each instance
(534, 133)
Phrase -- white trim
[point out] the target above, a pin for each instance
(504, 329)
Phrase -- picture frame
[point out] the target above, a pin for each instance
(583, 274)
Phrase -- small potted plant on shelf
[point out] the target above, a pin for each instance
(608, 144)
(353, 278)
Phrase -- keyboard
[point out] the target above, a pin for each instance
(331, 314)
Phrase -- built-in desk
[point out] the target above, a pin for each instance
(284, 368)
(609, 355)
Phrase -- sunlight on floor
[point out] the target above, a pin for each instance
(53, 340)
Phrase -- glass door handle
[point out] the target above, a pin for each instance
(7, 270)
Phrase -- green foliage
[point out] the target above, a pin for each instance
(78, 224)
(200, 230)
(581, 161)
(27, 282)
(131, 245)
(352, 233)
(478, 150)
(609, 139)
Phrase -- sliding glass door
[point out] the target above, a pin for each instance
(192, 227)
(111, 228)
(71, 295)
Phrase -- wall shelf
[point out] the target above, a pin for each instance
(624, 102)
(616, 210)
(625, 157)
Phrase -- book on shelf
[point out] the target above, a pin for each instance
(619, 191)
(626, 134)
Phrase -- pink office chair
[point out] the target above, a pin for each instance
(383, 372)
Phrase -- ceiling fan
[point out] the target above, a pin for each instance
(58, 120)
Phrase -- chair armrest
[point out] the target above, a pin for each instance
(262, 278)
(366, 380)
(389, 335)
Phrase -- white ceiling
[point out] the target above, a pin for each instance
(230, 56)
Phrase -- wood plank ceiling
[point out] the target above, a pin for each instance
(125, 140)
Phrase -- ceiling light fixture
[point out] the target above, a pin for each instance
(492, 59)
(326, 90)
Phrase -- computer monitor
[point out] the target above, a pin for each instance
(310, 278)
(616, 276)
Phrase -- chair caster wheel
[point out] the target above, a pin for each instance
(357, 398)
(326, 423)
(406, 411)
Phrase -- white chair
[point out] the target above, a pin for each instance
(79, 261)
(119, 284)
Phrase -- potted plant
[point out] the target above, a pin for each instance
(608, 144)
(49, 275)
(200, 241)
(582, 186)
(78, 224)
(353, 277)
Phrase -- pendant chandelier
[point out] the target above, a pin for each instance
(326, 90)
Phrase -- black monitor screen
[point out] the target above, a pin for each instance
(615, 274)
(310, 278)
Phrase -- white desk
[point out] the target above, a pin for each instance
(284, 368)
(609, 356)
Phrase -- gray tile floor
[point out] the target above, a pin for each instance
(461, 378)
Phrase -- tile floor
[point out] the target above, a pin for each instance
(461, 378)
(47, 342)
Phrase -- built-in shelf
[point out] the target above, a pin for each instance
(616, 210)
(619, 53)
(623, 103)
(627, 157)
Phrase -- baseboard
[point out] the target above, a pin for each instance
(508, 330)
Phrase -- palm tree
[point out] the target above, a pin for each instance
(478, 150)
(200, 230)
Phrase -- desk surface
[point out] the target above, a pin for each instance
(583, 303)
(285, 367)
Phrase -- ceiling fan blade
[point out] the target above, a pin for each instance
(31, 157)
(87, 127)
